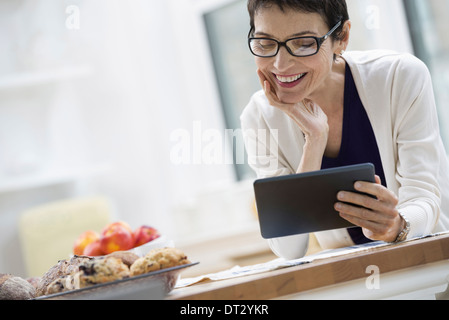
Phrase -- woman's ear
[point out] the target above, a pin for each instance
(344, 36)
(343, 40)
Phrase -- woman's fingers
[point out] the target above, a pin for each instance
(377, 213)
(269, 90)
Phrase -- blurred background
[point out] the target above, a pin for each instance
(139, 102)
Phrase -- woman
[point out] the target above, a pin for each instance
(331, 108)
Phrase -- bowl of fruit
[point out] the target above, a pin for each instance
(119, 236)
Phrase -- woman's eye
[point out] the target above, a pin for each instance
(303, 47)
(267, 45)
(307, 45)
(301, 44)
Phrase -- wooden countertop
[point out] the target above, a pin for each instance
(320, 273)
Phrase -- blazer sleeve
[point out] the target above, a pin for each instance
(265, 158)
(419, 145)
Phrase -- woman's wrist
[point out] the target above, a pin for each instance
(312, 158)
(403, 230)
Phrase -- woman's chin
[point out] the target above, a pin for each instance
(290, 98)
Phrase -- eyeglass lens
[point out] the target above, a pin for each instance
(298, 47)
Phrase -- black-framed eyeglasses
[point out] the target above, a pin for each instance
(298, 47)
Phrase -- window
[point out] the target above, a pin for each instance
(227, 30)
(429, 22)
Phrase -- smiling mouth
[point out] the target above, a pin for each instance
(289, 79)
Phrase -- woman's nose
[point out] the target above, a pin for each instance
(283, 60)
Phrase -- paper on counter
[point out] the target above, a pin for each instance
(276, 264)
(280, 263)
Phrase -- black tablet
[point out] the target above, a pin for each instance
(304, 203)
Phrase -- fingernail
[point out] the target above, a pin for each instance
(341, 195)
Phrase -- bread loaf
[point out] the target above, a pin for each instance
(15, 288)
(63, 284)
(61, 269)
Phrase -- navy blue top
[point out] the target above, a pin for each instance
(358, 143)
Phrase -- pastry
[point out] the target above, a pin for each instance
(102, 270)
(158, 259)
(15, 288)
(127, 257)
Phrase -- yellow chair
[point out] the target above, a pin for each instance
(48, 232)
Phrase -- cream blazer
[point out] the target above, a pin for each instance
(396, 91)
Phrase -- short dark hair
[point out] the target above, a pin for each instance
(332, 11)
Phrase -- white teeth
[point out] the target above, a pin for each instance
(290, 79)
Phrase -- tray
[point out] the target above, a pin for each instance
(150, 286)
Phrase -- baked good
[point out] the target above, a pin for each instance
(63, 284)
(102, 270)
(127, 257)
(61, 269)
(15, 288)
(82, 271)
(158, 259)
(34, 281)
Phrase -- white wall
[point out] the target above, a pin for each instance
(110, 94)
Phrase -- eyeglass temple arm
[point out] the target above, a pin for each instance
(333, 29)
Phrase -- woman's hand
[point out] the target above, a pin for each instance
(308, 115)
(378, 217)
(310, 118)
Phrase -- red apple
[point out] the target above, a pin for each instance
(118, 224)
(84, 240)
(93, 249)
(117, 236)
(145, 234)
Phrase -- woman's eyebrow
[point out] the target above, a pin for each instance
(299, 34)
